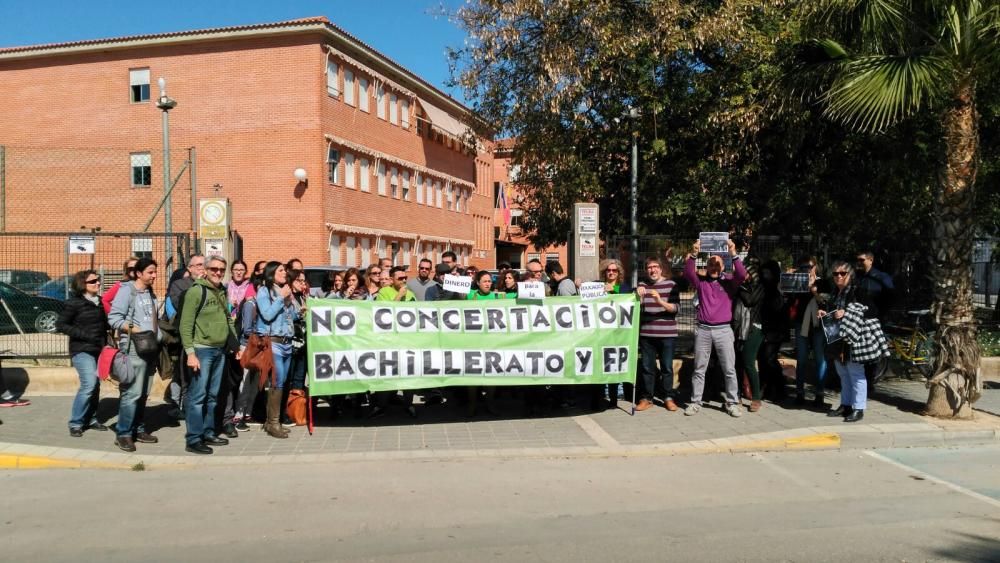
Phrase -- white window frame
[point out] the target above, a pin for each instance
(348, 86)
(380, 101)
(393, 109)
(332, 79)
(404, 114)
(335, 251)
(406, 254)
(394, 182)
(449, 196)
(428, 192)
(438, 195)
(366, 252)
(406, 185)
(419, 182)
(352, 252)
(139, 77)
(381, 178)
(140, 159)
(365, 175)
(333, 165)
(364, 96)
(348, 170)
(459, 194)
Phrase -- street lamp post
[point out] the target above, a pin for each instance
(633, 114)
(165, 103)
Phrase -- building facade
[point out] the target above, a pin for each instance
(513, 245)
(392, 169)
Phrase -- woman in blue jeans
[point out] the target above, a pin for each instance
(84, 321)
(809, 333)
(276, 316)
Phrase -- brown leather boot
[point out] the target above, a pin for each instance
(273, 426)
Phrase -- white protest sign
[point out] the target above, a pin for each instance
(457, 284)
(714, 242)
(592, 290)
(530, 290)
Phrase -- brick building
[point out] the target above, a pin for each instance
(391, 167)
(512, 243)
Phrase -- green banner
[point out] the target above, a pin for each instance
(357, 346)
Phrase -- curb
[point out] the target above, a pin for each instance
(865, 437)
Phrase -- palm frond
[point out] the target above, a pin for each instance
(873, 92)
(879, 22)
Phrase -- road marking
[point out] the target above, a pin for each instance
(957, 488)
(804, 483)
(596, 433)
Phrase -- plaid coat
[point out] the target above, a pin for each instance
(865, 337)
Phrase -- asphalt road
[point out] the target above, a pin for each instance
(898, 505)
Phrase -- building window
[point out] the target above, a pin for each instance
(533, 256)
(428, 191)
(394, 182)
(363, 94)
(458, 200)
(348, 87)
(142, 247)
(406, 254)
(439, 201)
(380, 248)
(366, 252)
(420, 188)
(393, 109)
(332, 79)
(551, 257)
(335, 251)
(497, 186)
(404, 113)
(348, 170)
(352, 253)
(365, 177)
(138, 79)
(449, 197)
(142, 169)
(333, 165)
(381, 178)
(406, 186)
(380, 101)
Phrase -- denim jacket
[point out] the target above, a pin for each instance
(274, 316)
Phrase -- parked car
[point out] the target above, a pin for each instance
(32, 313)
(25, 280)
(58, 288)
(316, 275)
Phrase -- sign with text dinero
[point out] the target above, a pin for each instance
(356, 346)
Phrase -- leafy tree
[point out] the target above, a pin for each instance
(892, 59)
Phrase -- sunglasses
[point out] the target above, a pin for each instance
(840, 274)
(424, 269)
(93, 281)
(611, 270)
(217, 270)
(376, 272)
(404, 278)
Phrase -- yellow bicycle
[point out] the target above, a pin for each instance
(910, 348)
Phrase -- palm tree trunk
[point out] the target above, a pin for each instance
(956, 383)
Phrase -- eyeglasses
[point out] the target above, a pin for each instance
(198, 265)
(424, 269)
(404, 278)
(840, 274)
(611, 270)
(217, 270)
(376, 272)
(534, 271)
(93, 281)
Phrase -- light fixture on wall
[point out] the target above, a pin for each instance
(301, 175)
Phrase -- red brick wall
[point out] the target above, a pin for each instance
(501, 173)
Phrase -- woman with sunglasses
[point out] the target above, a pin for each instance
(372, 281)
(854, 386)
(83, 319)
(613, 276)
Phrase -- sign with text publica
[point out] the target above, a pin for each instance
(457, 284)
(592, 290)
(357, 346)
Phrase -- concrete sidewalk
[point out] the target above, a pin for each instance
(37, 436)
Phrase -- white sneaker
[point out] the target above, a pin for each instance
(734, 410)
(692, 409)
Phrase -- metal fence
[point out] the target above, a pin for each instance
(36, 270)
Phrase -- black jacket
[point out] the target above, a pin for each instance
(85, 323)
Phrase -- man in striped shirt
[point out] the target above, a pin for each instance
(657, 333)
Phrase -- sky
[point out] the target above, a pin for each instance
(407, 31)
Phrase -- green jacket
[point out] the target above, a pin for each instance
(213, 324)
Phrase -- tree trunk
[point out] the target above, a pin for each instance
(956, 383)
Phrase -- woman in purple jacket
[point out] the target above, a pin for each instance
(715, 292)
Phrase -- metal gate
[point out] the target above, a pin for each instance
(36, 270)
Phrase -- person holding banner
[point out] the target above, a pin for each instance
(372, 282)
(613, 277)
(397, 292)
(508, 283)
(715, 292)
(483, 291)
(484, 287)
(657, 334)
(276, 316)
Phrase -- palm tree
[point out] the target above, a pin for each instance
(888, 60)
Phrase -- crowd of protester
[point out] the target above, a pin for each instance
(235, 351)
